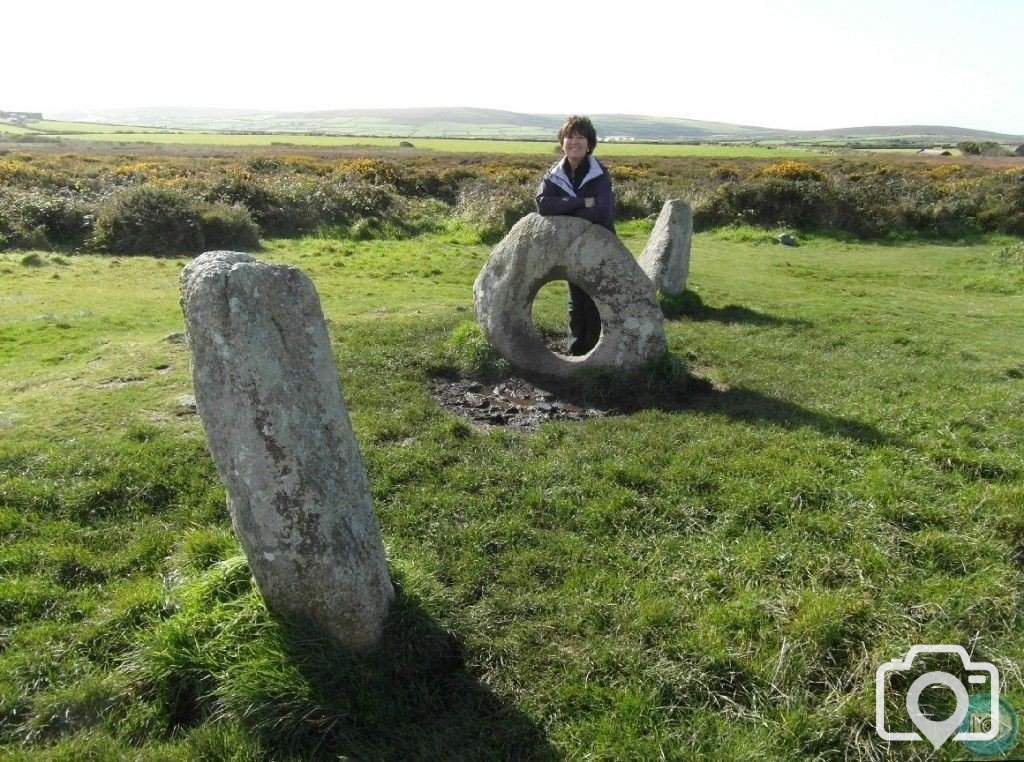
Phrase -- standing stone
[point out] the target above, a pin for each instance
(268, 394)
(538, 250)
(666, 258)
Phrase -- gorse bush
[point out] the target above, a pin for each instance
(229, 227)
(1004, 210)
(637, 200)
(53, 201)
(874, 204)
(276, 204)
(30, 216)
(149, 220)
(335, 201)
(792, 170)
(766, 201)
(494, 206)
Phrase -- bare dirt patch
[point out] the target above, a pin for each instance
(518, 403)
(513, 402)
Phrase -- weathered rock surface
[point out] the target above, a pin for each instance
(268, 393)
(666, 258)
(185, 404)
(541, 249)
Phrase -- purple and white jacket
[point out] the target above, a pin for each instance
(556, 194)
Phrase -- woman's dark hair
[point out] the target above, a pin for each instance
(581, 125)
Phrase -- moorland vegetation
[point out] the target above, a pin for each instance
(162, 204)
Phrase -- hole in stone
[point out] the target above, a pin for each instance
(550, 313)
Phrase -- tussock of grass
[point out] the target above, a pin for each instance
(468, 352)
(715, 579)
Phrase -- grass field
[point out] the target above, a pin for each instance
(143, 136)
(49, 126)
(717, 579)
(6, 128)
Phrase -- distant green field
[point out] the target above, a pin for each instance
(444, 144)
(47, 126)
(12, 129)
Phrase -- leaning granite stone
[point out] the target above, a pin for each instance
(666, 258)
(541, 249)
(268, 394)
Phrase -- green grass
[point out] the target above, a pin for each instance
(446, 145)
(49, 126)
(717, 580)
(6, 128)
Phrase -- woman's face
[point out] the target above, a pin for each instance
(575, 147)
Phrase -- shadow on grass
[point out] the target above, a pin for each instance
(689, 304)
(411, 698)
(695, 393)
(752, 406)
(511, 400)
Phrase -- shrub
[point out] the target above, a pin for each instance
(37, 239)
(229, 227)
(337, 201)
(624, 172)
(982, 148)
(1003, 209)
(373, 171)
(149, 220)
(766, 201)
(30, 217)
(439, 183)
(792, 170)
(638, 200)
(279, 205)
(493, 207)
(264, 163)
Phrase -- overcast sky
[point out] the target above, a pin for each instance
(796, 64)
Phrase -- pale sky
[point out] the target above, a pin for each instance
(791, 64)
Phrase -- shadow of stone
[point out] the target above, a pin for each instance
(752, 406)
(747, 405)
(689, 304)
(410, 698)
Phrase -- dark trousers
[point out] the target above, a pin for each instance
(584, 322)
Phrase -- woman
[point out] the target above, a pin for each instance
(579, 185)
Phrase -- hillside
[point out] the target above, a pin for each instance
(490, 123)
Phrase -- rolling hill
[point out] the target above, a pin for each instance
(491, 123)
